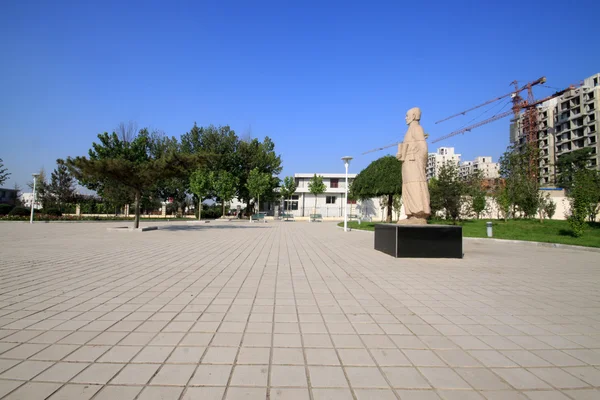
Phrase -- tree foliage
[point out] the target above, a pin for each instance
(4, 174)
(225, 186)
(383, 177)
(258, 184)
(316, 187)
(476, 192)
(446, 192)
(569, 164)
(520, 176)
(288, 189)
(201, 186)
(62, 185)
(130, 167)
(42, 194)
(227, 152)
(261, 156)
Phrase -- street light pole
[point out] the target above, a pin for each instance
(33, 198)
(346, 163)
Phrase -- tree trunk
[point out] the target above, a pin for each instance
(223, 212)
(389, 207)
(315, 210)
(200, 209)
(136, 224)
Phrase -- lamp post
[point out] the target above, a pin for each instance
(346, 163)
(33, 198)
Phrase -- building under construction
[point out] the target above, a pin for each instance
(565, 123)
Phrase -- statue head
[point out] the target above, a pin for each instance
(414, 114)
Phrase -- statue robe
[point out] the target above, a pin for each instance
(413, 154)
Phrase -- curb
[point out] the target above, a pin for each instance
(540, 244)
(130, 229)
(522, 242)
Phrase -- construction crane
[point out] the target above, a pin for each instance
(530, 122)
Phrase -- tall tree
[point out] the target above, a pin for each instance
(134, 165)
(476, 192)
(569, 164)
(258, 184)
(225, 184)
(4, 174)
(446, 192)
(383, 177)
(201, 186)
(219, 143)
(288, 189)
(62, 185)
(254, 154)
(520, 176)
(317, 187)
(42, 193)
(584, 197)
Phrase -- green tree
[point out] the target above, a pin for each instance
(42, 193)
(397, 204)
(4, 174)
(502, 200)
(383, 177)
(520, 175)
(225, 184)
(220, 145)
(583, 196)
(258, 184)
(288, 189)
(547, 207)
(446, 192)
(134, 166)
(317, 187)
(474, 188)
(254, 154)
(568, 164)
(62, 185)
(201, 186)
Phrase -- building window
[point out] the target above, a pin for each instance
(291, 204)
(330, 200)
(333, 183)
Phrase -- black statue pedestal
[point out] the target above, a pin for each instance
(419, 241)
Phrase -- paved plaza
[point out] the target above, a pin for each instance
(296, 310)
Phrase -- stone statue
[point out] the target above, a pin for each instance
(413, 154)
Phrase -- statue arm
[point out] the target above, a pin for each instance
(402, 148)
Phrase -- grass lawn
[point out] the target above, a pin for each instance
(521, 229)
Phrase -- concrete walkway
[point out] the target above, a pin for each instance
(232, 310)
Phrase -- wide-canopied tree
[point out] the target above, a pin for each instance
(383, 177)
(134, 166)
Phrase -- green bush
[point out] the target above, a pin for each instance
(20, 211)
(51, 211)
(5, 208)
(211, 213)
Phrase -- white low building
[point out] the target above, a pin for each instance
(329, 204)
(26, 199)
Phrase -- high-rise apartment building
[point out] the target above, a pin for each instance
(441, 157)
(484, 164)
(566, 123)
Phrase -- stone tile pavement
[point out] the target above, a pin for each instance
(292, 310)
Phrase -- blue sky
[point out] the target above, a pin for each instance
(324, 79)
